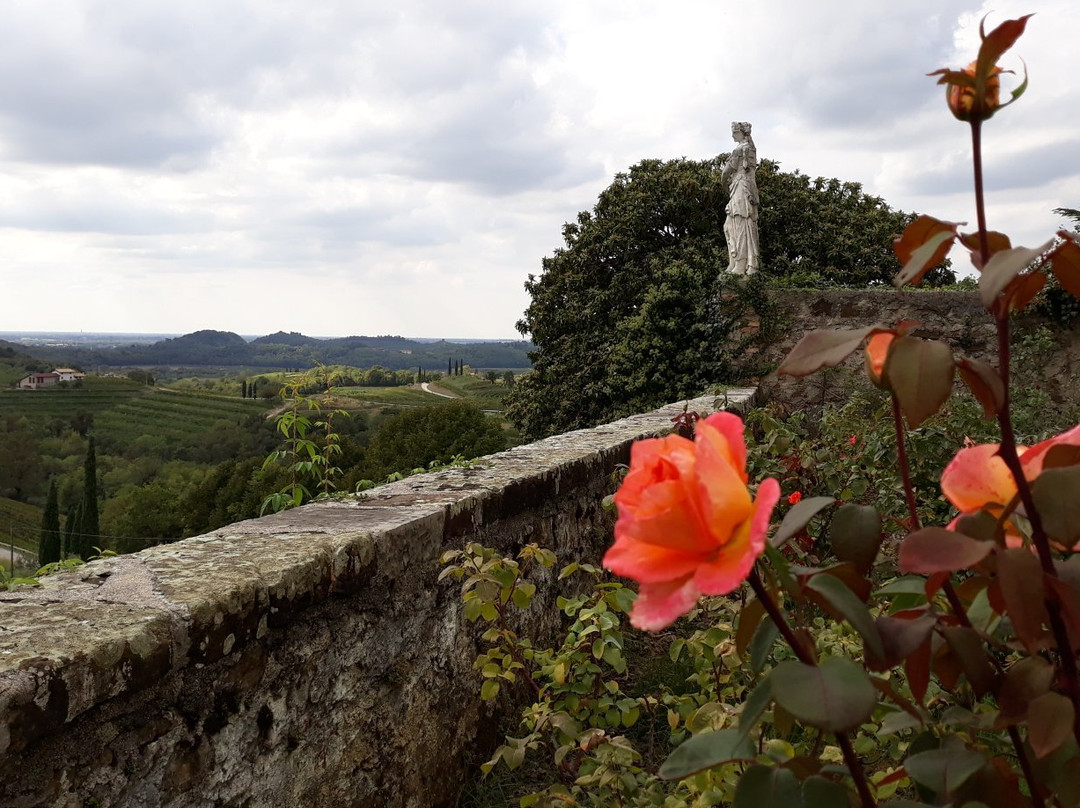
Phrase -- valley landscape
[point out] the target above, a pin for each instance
(181, 426)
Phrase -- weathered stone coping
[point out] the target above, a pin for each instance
(117, 628)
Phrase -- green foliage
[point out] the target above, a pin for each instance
(638, 284)
(418, 437)
(50, 545)
(311, 445)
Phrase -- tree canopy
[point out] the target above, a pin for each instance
(634, 310)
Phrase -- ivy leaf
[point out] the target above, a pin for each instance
(920, 372)
(835, 696)
(754, 706)
(823, 348)
(935, 549)
(701, 752)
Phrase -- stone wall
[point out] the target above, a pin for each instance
(306, 658)
(958, 318)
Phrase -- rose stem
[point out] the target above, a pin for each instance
(1011, 457)
(807, 658)
(909, 496)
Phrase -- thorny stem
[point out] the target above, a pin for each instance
(1039, 538)
(909, 495)
(1025, 766)
(807, 657)
(1011, 457)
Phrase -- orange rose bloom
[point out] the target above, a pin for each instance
(977, 479)
(687, 524)
(963, 102)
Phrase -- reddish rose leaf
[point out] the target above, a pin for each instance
(1021, 579)
(837, 599)
(1022, 290)
(900, 639)
(823, 348)
(944, 770)
(946, 666)
(935, 582)
(924, 258)
(998, 41)
(1065, 264)
(920, 372)
(934, 549)
(855, 535)
(982, 526)
(917, 670)
(968, 648)
(985, 384)
(798, 517)
(995, 242)
(1004, 266)
(1023, 683)
(835, 696)
(885, 688)
(916, 237)
(1056, 493)
(1061, 456)
(749, 617)
(1066, 596)
(1050, 720)
(845, 571)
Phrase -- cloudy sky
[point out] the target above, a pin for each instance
(360, 167)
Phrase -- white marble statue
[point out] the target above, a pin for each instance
(741, 225)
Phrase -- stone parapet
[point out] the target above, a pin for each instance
(305, 658)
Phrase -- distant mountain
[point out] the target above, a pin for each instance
(292, 350)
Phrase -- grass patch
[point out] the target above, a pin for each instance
(392, 396)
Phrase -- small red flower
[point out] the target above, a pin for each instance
(795, 498)
(853, 439)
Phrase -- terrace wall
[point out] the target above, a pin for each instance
(304, 658)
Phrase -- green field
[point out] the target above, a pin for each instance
(389, 396)
(20, 524)
(477, 389)
(123, 409)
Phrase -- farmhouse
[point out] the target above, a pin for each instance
(35, 381)
(69, 374)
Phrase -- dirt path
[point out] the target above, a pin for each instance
(442, 392)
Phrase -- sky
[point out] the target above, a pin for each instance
(358, 167)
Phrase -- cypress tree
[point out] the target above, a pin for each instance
(50, 541)
(243, 388)
(88, 506)
(448, 362)
(71, 533)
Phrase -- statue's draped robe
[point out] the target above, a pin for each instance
(741, 225)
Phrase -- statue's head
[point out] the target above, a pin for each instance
(740, 128)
